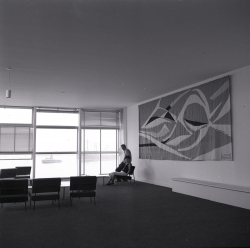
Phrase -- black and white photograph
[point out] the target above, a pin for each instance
(124, 123)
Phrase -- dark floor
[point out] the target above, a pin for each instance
(143, 215)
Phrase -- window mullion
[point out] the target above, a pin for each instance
(100, 151)
(14, 139)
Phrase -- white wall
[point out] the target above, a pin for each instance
(231, 172)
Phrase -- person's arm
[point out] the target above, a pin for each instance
(129, 154)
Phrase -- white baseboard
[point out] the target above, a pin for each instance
(222, 194)
(155, 183)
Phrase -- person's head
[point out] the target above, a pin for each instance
(123, 147)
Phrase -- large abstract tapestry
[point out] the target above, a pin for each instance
(194, 124)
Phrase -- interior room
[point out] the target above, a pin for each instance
(75, 78)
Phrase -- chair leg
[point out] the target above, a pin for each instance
(71, 201)
(34, 205)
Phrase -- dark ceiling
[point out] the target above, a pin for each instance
(110, 54)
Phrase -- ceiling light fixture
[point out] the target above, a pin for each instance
(8, 92)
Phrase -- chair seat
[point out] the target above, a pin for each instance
(23, 177)
(13, 198)
(44, 197)
(124, 177)
(83, 194)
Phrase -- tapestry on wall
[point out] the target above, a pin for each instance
(194, 124)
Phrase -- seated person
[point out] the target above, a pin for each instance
(119, 168)
(127, 153)
(123, 172)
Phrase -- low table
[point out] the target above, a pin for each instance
(102, 176)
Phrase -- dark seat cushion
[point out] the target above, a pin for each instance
(13, 198)
(22, 177)
(83, 194)
(44, 197)
(124, 177)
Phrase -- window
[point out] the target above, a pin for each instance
(56, 140)
(15, 116)
(97, 119)
(56, 133)
(109, 150)
(16, 137)
(99, 151)
(57, 119)
(56, 144)
(99, 142)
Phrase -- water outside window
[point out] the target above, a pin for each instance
(92, 164)
(13, 161)
(99, 151)
(56, 165)
(108, 163)
(56, 140)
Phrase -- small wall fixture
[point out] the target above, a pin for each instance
(8, 92)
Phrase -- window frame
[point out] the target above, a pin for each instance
(100, 152)
(16, 125)
(81, 126)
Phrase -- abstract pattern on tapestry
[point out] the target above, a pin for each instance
(194, 124)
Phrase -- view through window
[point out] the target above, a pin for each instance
(16, 137)
(56, 151)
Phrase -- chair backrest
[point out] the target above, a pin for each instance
(14, 187)
(23, 171)
(131, 171)
(46, 185)
(8, 173)
(83, 183)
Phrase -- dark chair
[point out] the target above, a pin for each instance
(23, 172)
(83, 187)
(45, 189)
(8, 173)
(128, 177)
(12, 190)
